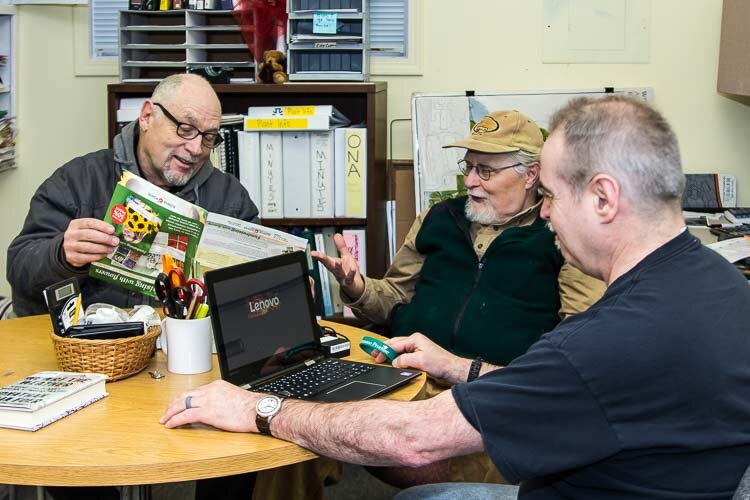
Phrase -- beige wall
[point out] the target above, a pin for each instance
(492, 46)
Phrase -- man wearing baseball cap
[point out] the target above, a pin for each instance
(480, 274)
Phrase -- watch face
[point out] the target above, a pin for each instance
(268, 405)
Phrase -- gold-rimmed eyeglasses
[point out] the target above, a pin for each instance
(483, 171)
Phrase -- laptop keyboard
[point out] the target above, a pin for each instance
(314, 379)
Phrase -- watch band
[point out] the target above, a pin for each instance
(263, 424)
(474, 369)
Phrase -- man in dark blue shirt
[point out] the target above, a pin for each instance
(645, 395)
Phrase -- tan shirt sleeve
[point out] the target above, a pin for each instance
(578, 291)
(397, 286)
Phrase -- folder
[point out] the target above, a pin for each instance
(296, 173)
(321, 173)
(271, 171)
(355, 172)
(249, 163)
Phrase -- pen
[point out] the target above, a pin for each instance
(78, 306)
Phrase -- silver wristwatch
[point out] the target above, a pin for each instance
(265, 409)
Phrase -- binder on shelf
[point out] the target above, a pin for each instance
(355, 242)
(309, 235)
(321, 173)
(271, 171)
(325, 279)
(330, 249)
(248, 145)
(350, 171)
(296, 173)
(322, 117)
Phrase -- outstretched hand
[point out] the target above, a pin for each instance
(419, 352)
(88, 240)
(344, 268)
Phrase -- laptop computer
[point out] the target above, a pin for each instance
(268, 340)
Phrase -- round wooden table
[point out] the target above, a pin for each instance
(119, 440)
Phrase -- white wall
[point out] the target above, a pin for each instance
(489, 45)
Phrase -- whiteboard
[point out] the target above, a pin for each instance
(440, 119)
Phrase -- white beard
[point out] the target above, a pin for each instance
(485, 215)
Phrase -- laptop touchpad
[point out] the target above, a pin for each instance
(353, 391)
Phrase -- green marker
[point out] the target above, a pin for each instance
(201, 311)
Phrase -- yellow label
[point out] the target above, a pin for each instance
(354, 152)
(275, 123)
(299, 110)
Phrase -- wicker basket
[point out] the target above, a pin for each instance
(118, 358)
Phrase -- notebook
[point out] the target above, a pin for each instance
(267, 336)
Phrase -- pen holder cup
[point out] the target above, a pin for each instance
(118, 358)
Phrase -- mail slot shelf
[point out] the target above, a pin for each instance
(341, 55)
(180, 39)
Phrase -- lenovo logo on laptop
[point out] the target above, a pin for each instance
(262, 304)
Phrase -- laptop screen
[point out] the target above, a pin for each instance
(263, 317)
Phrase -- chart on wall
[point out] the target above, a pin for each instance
(440, 119)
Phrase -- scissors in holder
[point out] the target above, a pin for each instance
(178, 296)
(175, 300)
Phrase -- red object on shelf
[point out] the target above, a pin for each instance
(262, 24)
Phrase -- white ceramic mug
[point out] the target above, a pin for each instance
(187, 344)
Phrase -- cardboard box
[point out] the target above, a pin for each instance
(403, 192)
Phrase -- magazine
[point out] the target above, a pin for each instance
(154, 225)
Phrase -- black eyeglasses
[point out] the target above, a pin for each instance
(483, 171)
(187, 131)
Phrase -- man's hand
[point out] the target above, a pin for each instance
(220, 404)
(88, 240)
(345, 268)
(419, 352)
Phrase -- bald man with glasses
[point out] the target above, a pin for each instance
(169, 145)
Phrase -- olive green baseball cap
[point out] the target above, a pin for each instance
(503, 132)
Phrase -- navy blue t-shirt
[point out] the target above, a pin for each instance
(645, 395)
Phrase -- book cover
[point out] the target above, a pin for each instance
(45, 397)
(149, 222)
(709, 191)
(355, 243)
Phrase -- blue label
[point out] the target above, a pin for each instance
(324, 23)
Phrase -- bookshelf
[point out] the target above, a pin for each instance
(360, 102)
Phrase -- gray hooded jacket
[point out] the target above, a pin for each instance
(83, 188)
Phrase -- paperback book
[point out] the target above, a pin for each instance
(45, 397)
